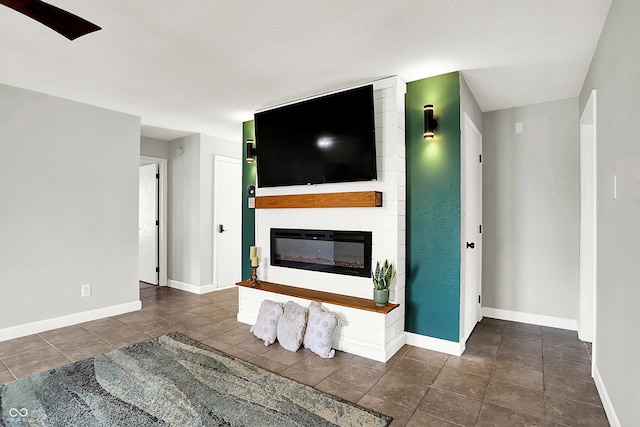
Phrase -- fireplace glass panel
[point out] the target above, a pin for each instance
(342, 252)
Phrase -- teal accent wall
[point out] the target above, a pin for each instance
(433, 209)
(248, 215)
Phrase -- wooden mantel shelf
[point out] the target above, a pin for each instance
(353, 199)
(330, 298)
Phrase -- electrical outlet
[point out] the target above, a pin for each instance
(86, 290)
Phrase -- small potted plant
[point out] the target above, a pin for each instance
(382, 278)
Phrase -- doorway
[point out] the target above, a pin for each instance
(471, 229)
(156, 173)
(227, 220)
(588, 224)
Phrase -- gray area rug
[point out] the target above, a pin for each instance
(172, 380)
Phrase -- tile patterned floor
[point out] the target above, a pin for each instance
(512, 374)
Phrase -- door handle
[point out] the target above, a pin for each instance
(471, 245)
(221, 228)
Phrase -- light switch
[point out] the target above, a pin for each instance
(518, 127)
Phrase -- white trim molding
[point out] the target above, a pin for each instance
(534, 319)
(435, 344)
(68, 320)
(606, 400)
(194, 289)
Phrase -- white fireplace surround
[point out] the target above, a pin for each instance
(387, 223)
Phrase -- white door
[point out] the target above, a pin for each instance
(227, 221)
(471, 226)
(147, 224)
(587, 286)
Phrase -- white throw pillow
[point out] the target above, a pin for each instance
(291, 326)
(267, 322)
(321, 327)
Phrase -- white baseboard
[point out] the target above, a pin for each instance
(194, 289)
(534, 319)
(606, 400)
(68, 320)
(435, 344)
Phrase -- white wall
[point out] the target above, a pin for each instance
(152, 147)
(68, 210)
(469, 105)
(614, 74)
(184, 210)
(531, 210)
(191, 200)
(209, 148)
(386, 223)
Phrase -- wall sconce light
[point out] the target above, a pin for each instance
(251, 151)
(430, 124)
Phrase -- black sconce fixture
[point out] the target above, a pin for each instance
(251, 151)
(430, 124)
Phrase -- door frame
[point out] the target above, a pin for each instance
(587, 295)
(467, 123)
(216, 159)
(162, 215)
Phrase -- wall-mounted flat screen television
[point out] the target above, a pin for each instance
(322, 140)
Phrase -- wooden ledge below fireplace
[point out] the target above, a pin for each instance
(327, 297)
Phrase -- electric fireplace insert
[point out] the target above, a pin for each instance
(329, 251)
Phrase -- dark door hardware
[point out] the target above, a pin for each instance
(471, 245)
(221, 228)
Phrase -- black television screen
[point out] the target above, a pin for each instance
(322, 140)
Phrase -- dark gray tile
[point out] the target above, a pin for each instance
(236, 336)
(451, 407)
(567, 353)
(18, 345)
(516, 398)
(415, 370)
(357, 377)
(84, 347)
(558, 331)
(480, 367)
(565, 368)
(462, 383)
(372, 364)
(269, 364)
(519, 345)
(521, 359)
(318, 366)
(428, 356)
(562, 340)
(398, 390)
(480, 350)
(523, 331)
(522, 377)
(303, 377)
(485, 336)
(35, 361)
(571, 388)
(497, 416)
(5, 375)
(492, 324)
(70, 333)
(399, 413)
(574, 413)
(420, 419)
(345, 392)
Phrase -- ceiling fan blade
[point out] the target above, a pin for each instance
(65, 23)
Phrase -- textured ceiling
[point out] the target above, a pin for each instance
(204, 66)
